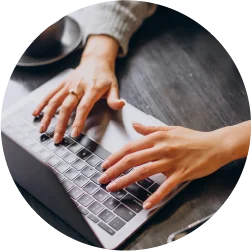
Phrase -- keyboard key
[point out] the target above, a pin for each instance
(60, 176)
(83, 210)
(124, 212)
(53, 160)
(61, 151)
(95, 177)
(51, 145)
(146, 183)
(132, 203)
(36, 148)
(16, 120)
(75, 147)
(20, 136)
(66, 141)
(62, 167)
(84, 154)
(88, 171)
(128, 171)
(103, 186)
(26, 115)
(28, 142)
(71, 174)
(99, 168)
(106, 215)
(67, 185)
(50, 131)
(69, 158)
(43, 139)
(100, 195)
(93, 218)
(75, 193)
(26, 128)
(117, 223)
(80, 181)
(106, 228)
(44, 154)
(11, 131)
(92, 146)
(79, 164)
(90, 188)
(85, 200)
(119, 194)
(34, 133)
(95, 207)
(153, 188)
(111, 203)
(93, 160)
(138, 192)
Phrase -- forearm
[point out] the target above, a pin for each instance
(237, 139)
(101, 46)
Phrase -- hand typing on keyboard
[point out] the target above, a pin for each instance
(93, 79)
(180, 154)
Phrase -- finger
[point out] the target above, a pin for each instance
(129, 148)
(145, 130)
(66, 110)
(46, 99)
(167, 186)
(129, 161)
(83, 109)
(52, 107)
(137, 174)
(113, 99)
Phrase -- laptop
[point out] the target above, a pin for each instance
(64, 177)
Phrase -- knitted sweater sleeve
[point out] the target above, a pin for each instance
(119, 19)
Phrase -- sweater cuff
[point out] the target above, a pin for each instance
(117, 20)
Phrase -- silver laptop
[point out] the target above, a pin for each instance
(64, 176)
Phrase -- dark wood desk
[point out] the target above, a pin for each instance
(179, 73)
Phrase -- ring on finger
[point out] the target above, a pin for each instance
(73, 92)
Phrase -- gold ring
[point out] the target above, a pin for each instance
(71, 91)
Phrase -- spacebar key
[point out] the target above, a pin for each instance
(138, 192)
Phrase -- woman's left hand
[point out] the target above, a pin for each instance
(179, 153)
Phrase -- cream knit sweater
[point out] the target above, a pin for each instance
(119, 19)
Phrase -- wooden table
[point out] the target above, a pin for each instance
(179, 73)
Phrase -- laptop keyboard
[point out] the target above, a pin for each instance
(77, 164)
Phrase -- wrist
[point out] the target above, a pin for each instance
(101, 46)
(235, 140)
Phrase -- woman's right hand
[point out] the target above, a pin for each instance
(93, 79)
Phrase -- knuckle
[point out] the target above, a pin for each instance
(128, 148)
(84, 106)
(144, 172)
(53, 102)
(65, 108)
(110, 173)
(129, 160)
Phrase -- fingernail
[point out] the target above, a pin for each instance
(56, 138)
(35, 112)
(105, 164)
(147, 205)
(112, 186)
(42, 128)
(136, 123)
(103, 179)
(74, 132)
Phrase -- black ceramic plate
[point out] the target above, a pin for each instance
(70, 41)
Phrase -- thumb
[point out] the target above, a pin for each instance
(145, 130)
(113, 99)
